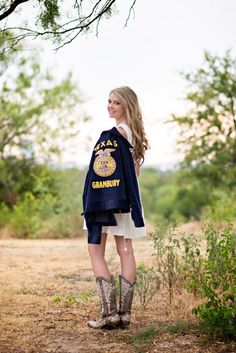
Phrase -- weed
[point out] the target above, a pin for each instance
(71, 298)
(56, 299)
(191, 263)
(86, 295)
(147, 284)
(166, 247)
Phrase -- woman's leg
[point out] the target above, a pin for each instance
(126, 279)
(97, 256)
(127, 259)
(106, 287)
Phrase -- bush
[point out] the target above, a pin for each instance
(167, 248)
(147, 284)
(218, 283)
(191, 267)
(50, 210)
(25, 221)
(223, 206)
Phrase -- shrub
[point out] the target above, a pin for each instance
(218, 283)
(166, 246)
(24, 220)
(191, 263)
(147, 284)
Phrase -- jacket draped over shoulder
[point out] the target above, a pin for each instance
(111, 185)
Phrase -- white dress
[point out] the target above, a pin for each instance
(125, 225)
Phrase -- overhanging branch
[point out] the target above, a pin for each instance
(11, 9)
(62, 33)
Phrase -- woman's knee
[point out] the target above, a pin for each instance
(98, 249)
(124, 248)
(95, 250)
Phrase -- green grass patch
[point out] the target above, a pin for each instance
(142, 340)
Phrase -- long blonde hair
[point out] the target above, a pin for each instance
(134, 119)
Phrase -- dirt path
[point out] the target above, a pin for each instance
(47, 292)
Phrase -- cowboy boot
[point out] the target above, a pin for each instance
(126, 299)
(110, 318)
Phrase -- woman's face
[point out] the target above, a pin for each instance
(115, 108)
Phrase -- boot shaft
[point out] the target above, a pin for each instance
(107, 294)
(126, 295)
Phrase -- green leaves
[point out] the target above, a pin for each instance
(49, 14)
(35, 107)
(208, 129)
(218, 282)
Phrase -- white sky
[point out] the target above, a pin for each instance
(164, 38)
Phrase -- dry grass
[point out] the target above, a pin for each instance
(48, 292)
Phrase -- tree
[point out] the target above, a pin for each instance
(37, 114)
(208, 129)
(61, 21)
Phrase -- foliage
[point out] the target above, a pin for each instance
(37, 116)
(221, 207)
(16, 178)
(147, 284)
(37, 113)
(191, 267)
(50, 209)
(69, 298)
(208, 129)
(175, 196)
(183, 261)
(60, 21)
(218, 283)
(166, 250)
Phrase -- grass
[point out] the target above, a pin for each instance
(142, 340)
(46, 299)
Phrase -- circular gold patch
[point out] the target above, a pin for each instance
(104, 165)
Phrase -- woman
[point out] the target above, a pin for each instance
(125, 222)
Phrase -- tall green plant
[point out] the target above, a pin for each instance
(166, 250)
(218, 283)
(191, 263)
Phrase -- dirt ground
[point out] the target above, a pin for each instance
(47, 293)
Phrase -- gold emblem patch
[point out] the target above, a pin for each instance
(104, 164)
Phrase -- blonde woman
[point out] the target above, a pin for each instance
(112, 204)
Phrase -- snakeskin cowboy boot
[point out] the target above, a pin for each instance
(110, 317)
(126, 299)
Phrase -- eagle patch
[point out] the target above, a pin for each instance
(104, 164)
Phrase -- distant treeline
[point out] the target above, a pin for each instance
(38, 201)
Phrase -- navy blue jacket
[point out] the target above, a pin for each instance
(111, 185)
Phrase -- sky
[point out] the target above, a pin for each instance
(161, 39)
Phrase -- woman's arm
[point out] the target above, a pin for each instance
(137, 168)
(136, 165)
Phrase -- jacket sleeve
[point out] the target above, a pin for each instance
(132, 186)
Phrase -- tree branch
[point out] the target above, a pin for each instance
(80, 27)
(130, 10)
(62, 33)
(11, 9)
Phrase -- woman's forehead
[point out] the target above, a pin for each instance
(113, 96)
